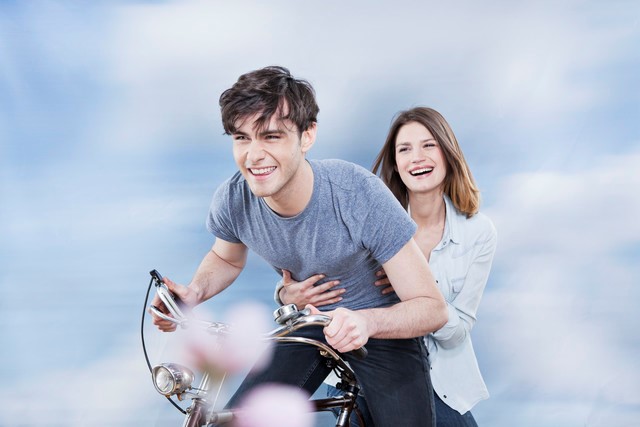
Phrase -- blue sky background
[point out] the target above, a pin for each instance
(111, 146)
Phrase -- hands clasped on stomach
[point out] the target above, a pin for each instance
(348, 330)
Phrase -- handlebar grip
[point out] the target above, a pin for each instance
(360, 353)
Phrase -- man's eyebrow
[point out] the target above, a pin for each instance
(271, 132)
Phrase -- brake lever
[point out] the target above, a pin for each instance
(170, 300)
(155, 310)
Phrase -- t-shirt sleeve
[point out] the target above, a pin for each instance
(219, 219)
(385, 225)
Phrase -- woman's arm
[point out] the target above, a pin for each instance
(463, 308)
(288, 291)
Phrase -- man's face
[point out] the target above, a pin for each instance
(269, 158)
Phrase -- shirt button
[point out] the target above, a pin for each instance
(444, 395)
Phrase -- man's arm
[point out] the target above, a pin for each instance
(422, 308)
(218, 269)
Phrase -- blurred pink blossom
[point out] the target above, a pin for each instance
(275, 405)
(243, 348)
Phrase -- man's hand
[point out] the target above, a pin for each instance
(348, 330)
(303, 293)
(383, 281)
(184, 294)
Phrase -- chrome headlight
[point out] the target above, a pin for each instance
(171, 378)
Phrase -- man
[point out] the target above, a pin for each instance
(330, 216)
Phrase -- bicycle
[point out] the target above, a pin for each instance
(174, 380)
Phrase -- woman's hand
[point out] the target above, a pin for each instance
(303, 293)
(383, 281)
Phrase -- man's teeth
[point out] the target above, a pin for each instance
(263, 171)
(421, 171)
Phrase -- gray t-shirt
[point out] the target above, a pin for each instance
(351, 226)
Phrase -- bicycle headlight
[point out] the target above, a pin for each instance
(171, 378)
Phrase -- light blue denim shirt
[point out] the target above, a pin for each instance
(460, 264)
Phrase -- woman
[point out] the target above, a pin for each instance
(423, 165)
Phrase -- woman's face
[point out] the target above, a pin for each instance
(419, 159)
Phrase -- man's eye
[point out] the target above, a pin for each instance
(272, 137)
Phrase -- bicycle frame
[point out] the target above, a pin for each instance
(200, 412)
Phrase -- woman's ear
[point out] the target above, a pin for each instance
(308, 137)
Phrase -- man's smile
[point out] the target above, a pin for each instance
(261, 171)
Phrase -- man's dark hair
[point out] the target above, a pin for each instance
(268, 91)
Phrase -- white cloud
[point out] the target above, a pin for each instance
(169, 62)
(114, 390)
(591, 212)
(91, 213)
(559, 310)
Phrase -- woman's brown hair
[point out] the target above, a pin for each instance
(458, 184)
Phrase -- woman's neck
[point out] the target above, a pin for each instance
(429, 212)
(427, 209)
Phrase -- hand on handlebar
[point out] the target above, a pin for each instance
(347, 331)
(304, 292)
(186, 295)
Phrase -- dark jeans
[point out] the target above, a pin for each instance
(394, 377)
(449, 417)
(445, 416)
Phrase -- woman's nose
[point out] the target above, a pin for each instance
(417, 157)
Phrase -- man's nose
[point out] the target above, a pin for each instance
(255, 152)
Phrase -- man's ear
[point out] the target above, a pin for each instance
(308, 137)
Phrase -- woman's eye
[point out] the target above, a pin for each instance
(402, 149)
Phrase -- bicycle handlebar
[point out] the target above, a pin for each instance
(290, 318)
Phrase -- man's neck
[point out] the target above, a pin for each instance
(294, 197)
